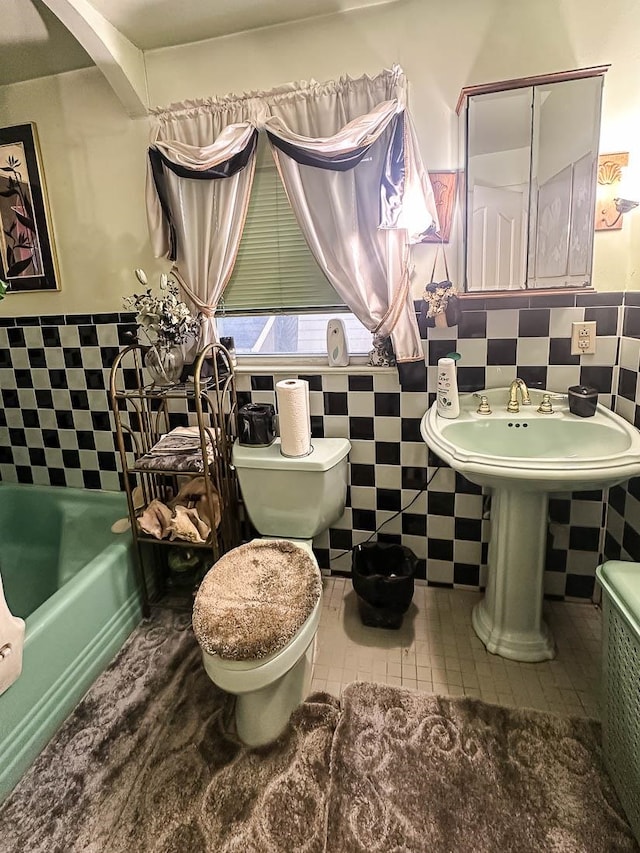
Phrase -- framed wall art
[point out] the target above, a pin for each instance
(610, 173)
(27, 252)
(444, 192)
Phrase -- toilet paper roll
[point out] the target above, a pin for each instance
(293, 417)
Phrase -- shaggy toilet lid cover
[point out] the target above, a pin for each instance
(255, 599)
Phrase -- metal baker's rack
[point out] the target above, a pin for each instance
(144, 412)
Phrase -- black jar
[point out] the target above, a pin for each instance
(583, 400)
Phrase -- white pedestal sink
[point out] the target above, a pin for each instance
(509, 620)
(522, 457)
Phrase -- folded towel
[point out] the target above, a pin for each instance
(191, 491)
(211, 515)
(188, 517)
(187, 525)
(178, 440)
(155, 520)
(178, 450)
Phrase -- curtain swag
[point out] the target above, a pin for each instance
(220, 169)
(359, 223)
(337, 163)
(208, 167)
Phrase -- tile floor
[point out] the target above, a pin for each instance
(437, 651)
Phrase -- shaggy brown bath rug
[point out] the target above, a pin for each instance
(148, 762)
(425, 774)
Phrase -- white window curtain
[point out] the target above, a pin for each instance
(199, 174)
(349, 161)
(350, 164)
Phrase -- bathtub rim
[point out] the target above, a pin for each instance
(41, 720)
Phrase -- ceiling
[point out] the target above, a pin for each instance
(33, 42)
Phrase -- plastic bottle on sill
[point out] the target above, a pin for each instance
(447, 400)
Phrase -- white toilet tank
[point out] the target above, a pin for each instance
(293, 498)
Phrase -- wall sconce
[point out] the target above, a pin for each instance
(610, 206)
(623, 205)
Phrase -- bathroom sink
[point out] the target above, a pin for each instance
(521, 458)
(531, 451)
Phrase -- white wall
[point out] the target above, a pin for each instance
(94, 156)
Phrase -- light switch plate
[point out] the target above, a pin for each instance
(583, 338)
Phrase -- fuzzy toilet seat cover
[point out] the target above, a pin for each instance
(255, 599)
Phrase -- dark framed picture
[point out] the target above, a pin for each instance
(27, 252)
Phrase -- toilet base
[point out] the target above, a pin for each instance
(262, 715)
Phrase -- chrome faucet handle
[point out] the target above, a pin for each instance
(545, 407)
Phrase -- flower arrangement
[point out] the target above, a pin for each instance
(164, 320)
(436, 296)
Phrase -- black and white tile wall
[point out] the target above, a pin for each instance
(56, 427)
(622, 539)
(444, 526)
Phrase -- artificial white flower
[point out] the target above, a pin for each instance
(163, 320)
(436, 297)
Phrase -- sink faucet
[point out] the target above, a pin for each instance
(512, 405)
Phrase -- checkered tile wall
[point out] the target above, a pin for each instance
(447, 526)
(622, 540)
(55, 427)
(55, 422)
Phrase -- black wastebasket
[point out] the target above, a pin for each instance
(383, 578)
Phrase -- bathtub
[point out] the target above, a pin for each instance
(73, 581)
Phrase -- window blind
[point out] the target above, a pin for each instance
(275, 270)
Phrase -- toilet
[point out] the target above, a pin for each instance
(257, 610)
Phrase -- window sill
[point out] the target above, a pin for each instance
(301, 365)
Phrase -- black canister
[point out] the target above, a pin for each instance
(583, 401)
(257, 424)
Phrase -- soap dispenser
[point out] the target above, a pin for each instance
(447, 401)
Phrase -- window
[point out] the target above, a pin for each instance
(290, 334)
(278, 300)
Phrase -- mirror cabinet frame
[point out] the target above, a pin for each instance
(490, 88)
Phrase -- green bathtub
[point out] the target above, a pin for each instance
(73, 581)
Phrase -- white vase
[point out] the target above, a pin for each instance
(164, 364)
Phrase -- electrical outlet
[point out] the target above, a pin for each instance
(583, 338)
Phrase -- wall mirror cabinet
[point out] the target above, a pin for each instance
(530, 167)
